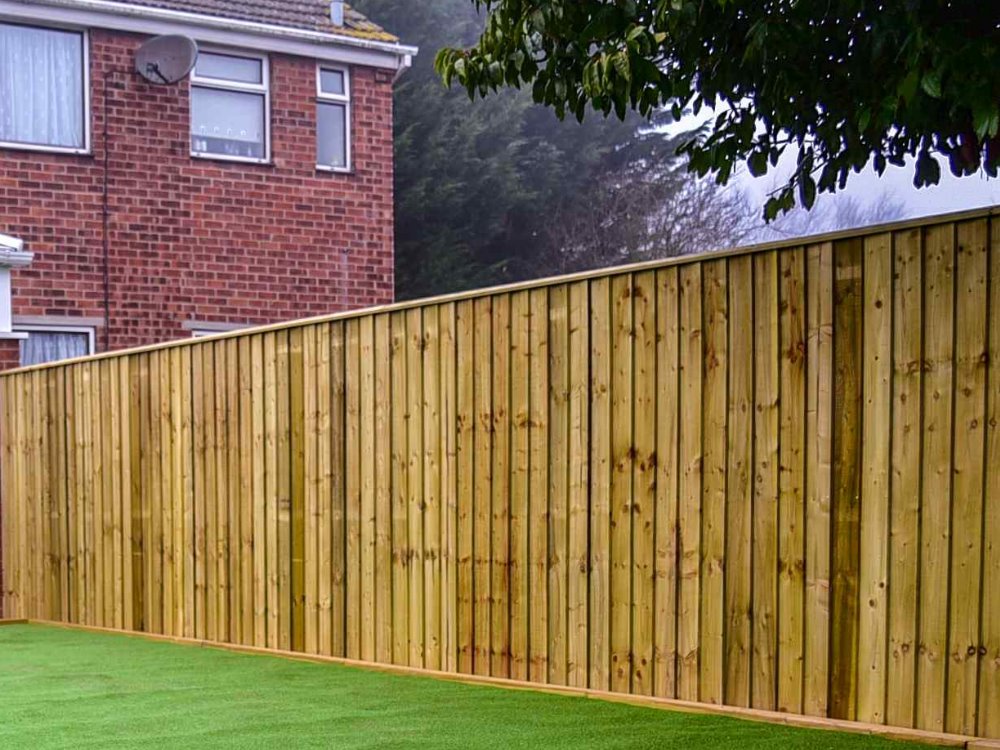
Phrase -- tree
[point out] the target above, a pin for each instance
(481, 187)
(842, 83)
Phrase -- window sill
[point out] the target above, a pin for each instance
(334, 170)
(231, 159)
(37, 149)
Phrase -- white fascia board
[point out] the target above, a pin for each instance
(212, 30)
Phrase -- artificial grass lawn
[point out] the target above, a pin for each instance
(64, 688)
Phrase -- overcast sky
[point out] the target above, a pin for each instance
(896, 184)
(951, 194)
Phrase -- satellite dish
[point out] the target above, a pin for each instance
(167, 59)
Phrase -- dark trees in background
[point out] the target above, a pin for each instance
(499, 190)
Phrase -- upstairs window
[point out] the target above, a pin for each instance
(43, 82)
(333, 119)
(229, 107)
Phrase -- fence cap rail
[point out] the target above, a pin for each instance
(794, 242)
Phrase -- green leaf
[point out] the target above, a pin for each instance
(985, 119)
(931, 84)
(758, 163)
(807, 191)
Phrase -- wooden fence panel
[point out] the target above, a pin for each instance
(768, 478)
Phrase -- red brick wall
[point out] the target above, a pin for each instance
(197, 239)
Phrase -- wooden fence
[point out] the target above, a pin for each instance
(765, 478)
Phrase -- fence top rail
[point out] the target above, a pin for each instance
(794, 242)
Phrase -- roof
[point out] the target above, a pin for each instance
(312, 15)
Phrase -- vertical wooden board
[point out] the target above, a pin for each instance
(500, 497)
(48, 582)
(989, 674)
(482, 482)
(257, 459)
(198, 407)
(19, 522)
(935, 517)
(971, 326)
(622, 336)
(32, 583)
(383, 492)
(538, 487)
(108, 423)
(739, 493)
(114, 406)
(877, 418)
(22, 500)
(449, 490)
(168, 478)
(135, 508)
(178, 479)
(284, 489)
(209, 483)
(234, 488)
(578, 561)
(95, 476)
(690, 479)
(8, 512)
(400, 496)
(465, 481)
(366, 431)
(310, 487)
(432, 488)
(324, 491)
(904, 477)
(600, 483)
(644, 483)
(713, 533)
(819, 425)
(63, 519)
(666, 529)
(846, 490)
(558, 480)
(222, 490)
(187, 542)
(415, 485)
(791, 479)
(270, 408)
(50, 529)
(297, 413)
(352, 471)
(150, 437)
(247, 501)
(6, 504)
(338, 517)
(765, 501)
(520, 419)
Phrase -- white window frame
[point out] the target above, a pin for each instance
(345, 100)
(85, 36)
(264, 88)
(30, 328)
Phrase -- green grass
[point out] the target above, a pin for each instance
(63, 688)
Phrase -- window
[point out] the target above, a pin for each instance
(43, 88)
(52, 343)
(333, 119)
(229, 107)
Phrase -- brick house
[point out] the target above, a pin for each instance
(257, 189)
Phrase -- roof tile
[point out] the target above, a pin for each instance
(313, 15)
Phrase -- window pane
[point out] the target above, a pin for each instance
(331, 137)
(230, 68)
(331, 82)
(229, 123)
(41, 87)
(50, 346)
